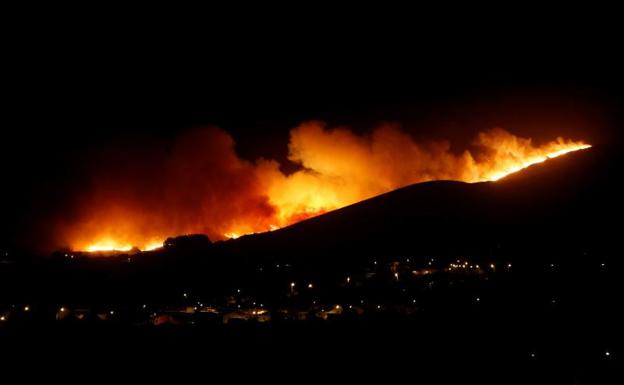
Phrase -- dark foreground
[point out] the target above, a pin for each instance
(429, 350)
(537, 323)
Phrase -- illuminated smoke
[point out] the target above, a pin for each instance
(201, 185)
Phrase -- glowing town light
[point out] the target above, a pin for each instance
(62, 309)
(26, 308)
(2, 318)
(310, 286)
(348, 279)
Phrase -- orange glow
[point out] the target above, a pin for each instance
(107, 245)
(520, 154)
(110, 245)
(204, 187)
(152, 246)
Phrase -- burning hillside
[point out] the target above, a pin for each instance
(200, 184)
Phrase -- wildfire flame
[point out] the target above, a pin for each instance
(108, 245)
(202, 186)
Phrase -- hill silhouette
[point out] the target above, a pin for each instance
(561, 200)
(555, 209)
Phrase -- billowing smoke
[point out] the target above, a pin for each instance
(200, 184)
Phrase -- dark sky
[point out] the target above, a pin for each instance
(72, 88)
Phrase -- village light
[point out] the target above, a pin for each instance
(2, 318)
(26, 308)
(62, 309)
(348, 279)
(310, 286)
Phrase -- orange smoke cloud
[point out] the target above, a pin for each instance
(201, 185)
